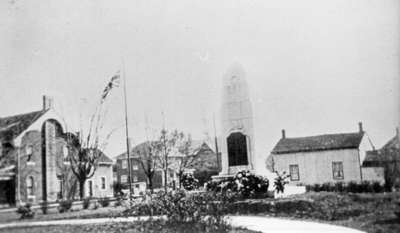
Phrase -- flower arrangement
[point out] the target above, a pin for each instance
(244, 183)
(189, 182)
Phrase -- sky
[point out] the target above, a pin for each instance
(313, 67)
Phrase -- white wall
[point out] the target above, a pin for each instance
(101, 171)
(316, 167)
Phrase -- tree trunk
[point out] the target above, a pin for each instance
(180, 174)
(82, 189)
(150, 183)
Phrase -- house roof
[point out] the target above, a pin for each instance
(104, 158)
(392, 143)
(373, 155)
(318, 143)
(196, 147)
(12, 126)
(389, 152)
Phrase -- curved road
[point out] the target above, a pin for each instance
(256, 223)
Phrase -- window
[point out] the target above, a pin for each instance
(29, 152)
(65, 151)
(135, 167)
(337, 170)
(135, 178)
(124, 164)
(103, 182)
(124, 179)
(29, 186)
(294, 172)
(60, 187)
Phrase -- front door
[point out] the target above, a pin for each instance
(90, 184)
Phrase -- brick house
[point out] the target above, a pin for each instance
(324, 158)
(205, 163)
(33, 166)
(138, 176)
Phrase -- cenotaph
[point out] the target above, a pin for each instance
(237, 144)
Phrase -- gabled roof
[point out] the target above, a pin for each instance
(318, 143)
(387, 154)
(392, 143)
(104, 158)
(195, 148)
(12, 126)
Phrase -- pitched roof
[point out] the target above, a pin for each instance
(12, 126)
(318, 143)
(196, 147)
(392, 143)
(389, 152)
(104, 158)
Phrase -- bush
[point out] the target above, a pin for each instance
(64, 206)
(244, 184)
(189, 182)
(377, 187)
(119, 200)
(44, 207)
(86, 203)
(117, 187)
(351, 187)
(180, 206)
(25, 211)
(280, 182)
(104, 201)
(204, 176)
(96, 205)
(339, 187)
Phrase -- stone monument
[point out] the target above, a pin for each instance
(237, 144)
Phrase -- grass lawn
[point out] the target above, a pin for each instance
(370, 212)
(53, 214)
(137, 227)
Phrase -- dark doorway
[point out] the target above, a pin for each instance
(90, 183)
(7, 196)
(237, 149)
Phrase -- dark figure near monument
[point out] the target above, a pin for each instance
(237, 149)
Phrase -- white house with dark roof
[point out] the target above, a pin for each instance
(324, 158)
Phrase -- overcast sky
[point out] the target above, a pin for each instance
(313, 67)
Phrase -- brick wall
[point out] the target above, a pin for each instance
(139, 173)
(31, 168)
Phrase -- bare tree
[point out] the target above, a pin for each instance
(187, 157)
(146, 154)
(85, 150)
(167, 145)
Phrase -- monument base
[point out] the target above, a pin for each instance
(232, 171)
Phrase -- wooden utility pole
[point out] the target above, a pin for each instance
(127, 135)
(164, 143)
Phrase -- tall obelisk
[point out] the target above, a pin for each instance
(237, 145)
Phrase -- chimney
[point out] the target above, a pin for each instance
(360, 127)
(47, 102)
(283, 134)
